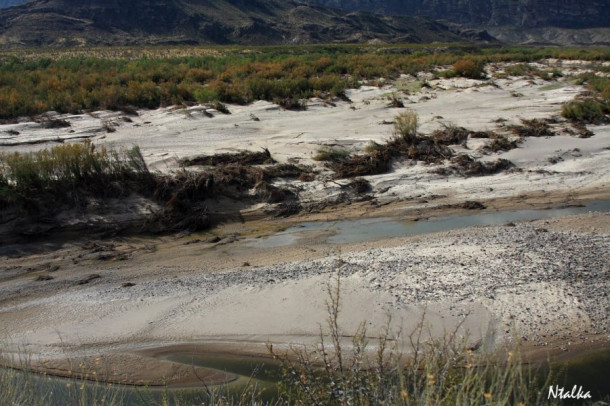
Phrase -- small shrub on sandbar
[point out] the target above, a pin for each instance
(450, 135)
(587, 111)
(467, 68)
(330, 154)
(405, 126)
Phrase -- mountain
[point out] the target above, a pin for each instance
(520, 13)
(509, 20)
(119, 22)
(10, 3)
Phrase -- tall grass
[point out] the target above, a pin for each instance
(71, 164)
(473, 68)
(436, 371)
(405, 126)
(69, 172)
(21, 387)
(331, 154)
(593, 110)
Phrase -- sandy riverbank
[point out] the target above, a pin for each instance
(544, 279)
(67, 303)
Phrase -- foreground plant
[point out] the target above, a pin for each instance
(435, 371)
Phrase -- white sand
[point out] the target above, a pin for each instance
(500, 275)
(549, 286)
(166, 135)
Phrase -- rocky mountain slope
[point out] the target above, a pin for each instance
(519, 13)
(559, 22)
(10, 3)
(115, 22)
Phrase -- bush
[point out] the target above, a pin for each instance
(42, 183)
(291, 103)
(147, 77)
(533, 128)
(588, 111)
(395, 101)
(205, 95)
(469, 68)
(405, 125)
(330, 154)
(220, 107)
(450, 135)
(70, 166)
(501, 143)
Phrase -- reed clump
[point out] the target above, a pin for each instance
(66, 173)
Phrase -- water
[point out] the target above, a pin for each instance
(261, 369)
(370, 229)
(260, 373)
(588, 370)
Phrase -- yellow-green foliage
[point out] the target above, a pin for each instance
(75, 80)
(63, 169)
(330, 154)
(589, 110)
(70, 163)
(405, 125)
(469, 68)
(593, 109)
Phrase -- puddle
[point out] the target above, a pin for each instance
(370, 229)
(260, 369)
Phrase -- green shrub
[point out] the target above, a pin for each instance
(216, 105)
(395, 101)
(373, 147)
(330, 154)
(74, 80)
(405, 126)
(205, 95)
(470, 68)
(69, 172)
(589, 110)
(291, 103)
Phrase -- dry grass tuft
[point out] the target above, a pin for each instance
(450, 135)
(534, 128)
(467, 166)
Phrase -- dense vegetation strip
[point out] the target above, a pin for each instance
(102, 79)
